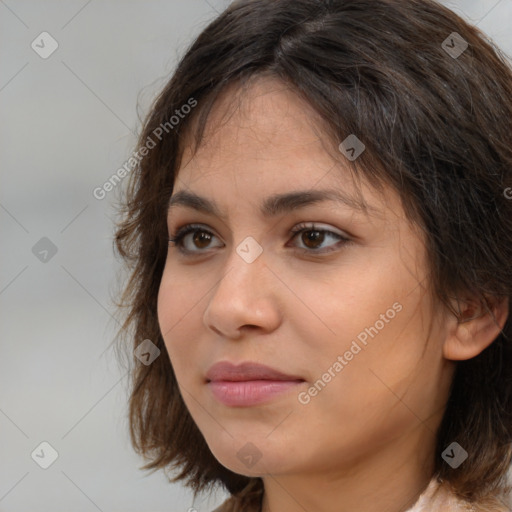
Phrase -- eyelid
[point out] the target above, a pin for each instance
(343, 238)
(317, 226)
(182, 231)
(297, 228)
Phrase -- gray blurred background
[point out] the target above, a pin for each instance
(69, 120)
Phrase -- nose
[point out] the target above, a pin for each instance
(244, 298)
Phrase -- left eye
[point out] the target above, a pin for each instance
(312, 238)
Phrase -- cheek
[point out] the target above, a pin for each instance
(179, 296)
(342, 306)
(178, 309)
(379, 330)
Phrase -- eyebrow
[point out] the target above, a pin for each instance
(273, 205)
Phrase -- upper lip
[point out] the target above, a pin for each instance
(225, 370)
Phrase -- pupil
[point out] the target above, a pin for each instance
(201, 237)
(310, 237)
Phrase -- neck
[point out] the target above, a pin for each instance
(390, 480)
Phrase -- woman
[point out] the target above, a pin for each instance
(319, 233)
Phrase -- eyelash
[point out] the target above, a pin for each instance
(177, 238)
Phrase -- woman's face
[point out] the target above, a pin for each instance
(346, 322)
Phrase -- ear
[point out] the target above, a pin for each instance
(476, 328)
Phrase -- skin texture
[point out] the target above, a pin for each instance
(366, 441)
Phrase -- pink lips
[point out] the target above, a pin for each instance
(248, 384)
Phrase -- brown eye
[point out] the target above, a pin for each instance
(312, 237)
(201, 239)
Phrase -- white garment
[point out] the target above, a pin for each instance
(435, 498)
(438, 498)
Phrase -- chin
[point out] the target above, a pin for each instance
(250, 456)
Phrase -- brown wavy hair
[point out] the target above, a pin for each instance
(436, 127)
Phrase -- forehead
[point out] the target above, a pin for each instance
(262, 139)
(262, 111)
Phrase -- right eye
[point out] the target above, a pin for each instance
(200, 239)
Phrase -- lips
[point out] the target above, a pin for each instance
(225, 371)
(248, 384)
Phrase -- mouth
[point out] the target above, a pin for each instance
(248, 384)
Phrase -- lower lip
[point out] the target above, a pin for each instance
(251, 392)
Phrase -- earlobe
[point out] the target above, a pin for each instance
(475, 329)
